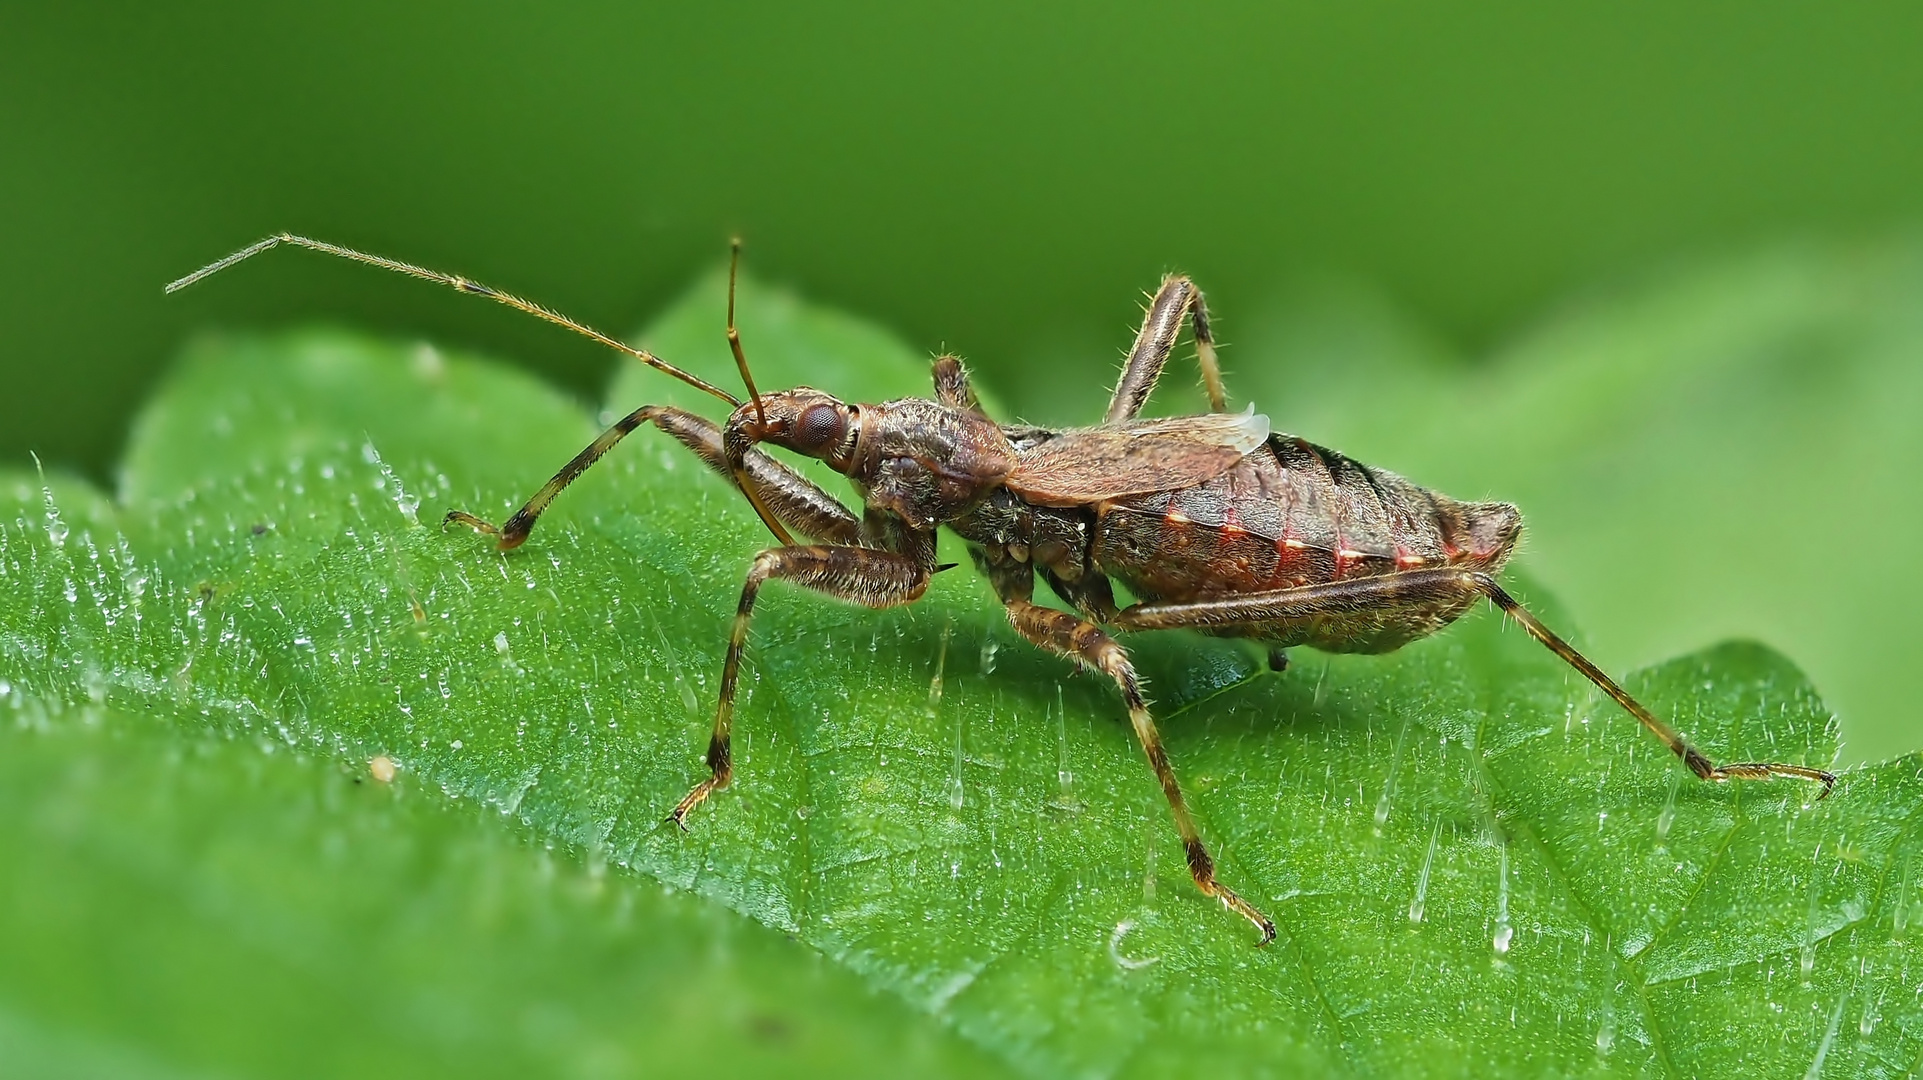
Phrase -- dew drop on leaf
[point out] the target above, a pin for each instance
(1389, 781)
(1421, 898)
(1505, 930)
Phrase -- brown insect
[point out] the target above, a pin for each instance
(1216, 523)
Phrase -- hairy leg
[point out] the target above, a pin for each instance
(1416, 594)
(866, 576)
(1176, 299)
(793, 499)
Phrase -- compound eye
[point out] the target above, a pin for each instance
(819, 426)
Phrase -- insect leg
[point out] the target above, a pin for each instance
(866, 576)
(1177, 298)
(793, 499)
(1698, 764)
(1417, 595)
(1205, 355)
(1086, 643)
(790, 496)
(951, 385)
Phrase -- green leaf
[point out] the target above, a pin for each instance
(1479, 866)
(181, 904)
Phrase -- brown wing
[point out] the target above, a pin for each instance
(1091, 464)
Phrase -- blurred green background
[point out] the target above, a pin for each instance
(1004, 181)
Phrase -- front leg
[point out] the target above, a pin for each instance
(792, 498)
(867, 576)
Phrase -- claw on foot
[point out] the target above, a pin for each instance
(1756, 770)
(1263, 924)
(508, 539)
(691, 800)
(462, 517)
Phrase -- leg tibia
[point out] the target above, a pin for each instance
(1411, 599)
(1084, 642)
(867, 576)
(792, 498)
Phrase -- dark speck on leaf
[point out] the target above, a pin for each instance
(769, 1028)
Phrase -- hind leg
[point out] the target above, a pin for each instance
(1178, 298)
(1395, 608)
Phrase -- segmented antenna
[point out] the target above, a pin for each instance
(475, 288)
(734, 336)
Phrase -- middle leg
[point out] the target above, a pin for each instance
(1087, 644)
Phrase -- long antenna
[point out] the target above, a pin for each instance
(475, 288)
(738, 466)
(734, 336)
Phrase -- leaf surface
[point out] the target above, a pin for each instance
(1479, 866)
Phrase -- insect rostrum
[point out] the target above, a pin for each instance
(1214, 522)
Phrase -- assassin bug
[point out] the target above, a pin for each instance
(1214, 522)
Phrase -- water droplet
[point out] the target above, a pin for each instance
(934, 682)
(989, 649)
(1606, 1032)
(1900, 907)
(456, 744)
(1808, 960)
(1126, 963)
(1829, 1038)
(1667, 818)
(803, 811)
(1064, 776)
(1389, 784)
(956, 797)
(1422, 879)
(1505, 931)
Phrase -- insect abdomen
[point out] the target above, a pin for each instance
(1292, 514)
